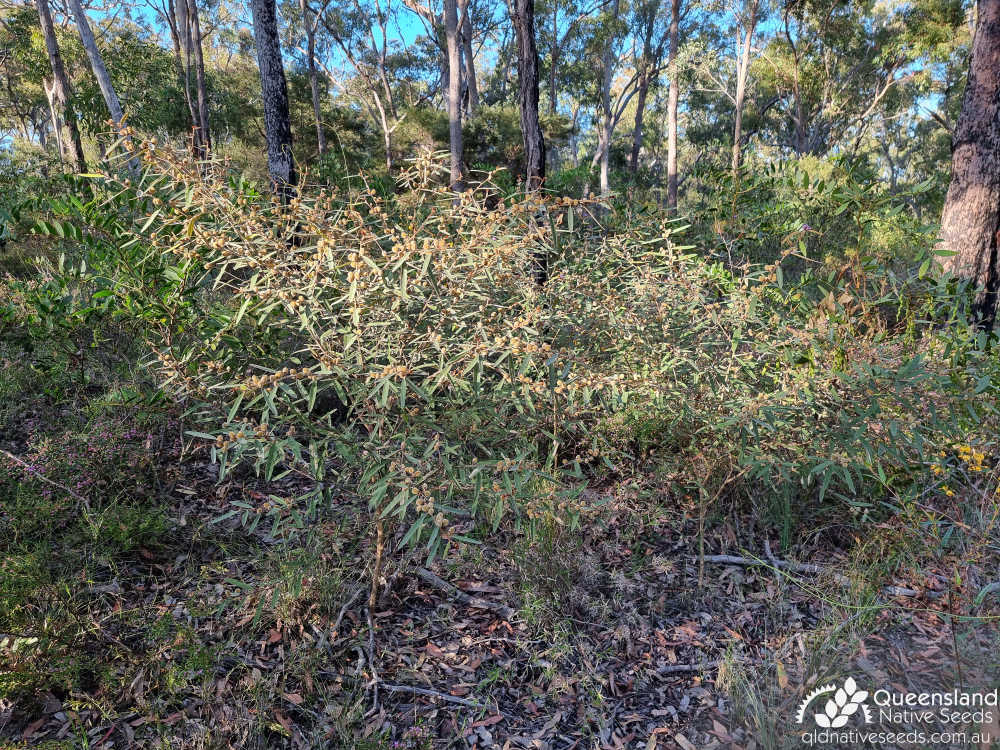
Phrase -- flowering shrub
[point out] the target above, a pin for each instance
(400, 346)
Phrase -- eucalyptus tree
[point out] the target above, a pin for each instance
(970, 222)
(454, 10)
(360, 31)
(653, 31)
(24, 105)
(183, 21)
(102, 76)
(274, 94)
(523, 16)
(189, 19)
(310, 24)
(561, 26)
(673, 96)
(613, 84)
(747, 17)
(59, 91)
(730, 44)
(835, 71)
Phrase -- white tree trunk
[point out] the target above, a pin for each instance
(101, 73)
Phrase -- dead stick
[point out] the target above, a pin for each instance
(460, 596)
(431, 694)
(683, 668)
(371, 660)
(343, 610)
(753, 562)
(37, 475)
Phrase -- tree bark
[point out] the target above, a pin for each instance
(554, 61)
(60, 89)
(183, 21)
(523, 17)
(451, 14)
(50, 97)
(640, 110)
(742, 73)
(609, 124)
(527, 73)
(274, 90)
(970, 221)
(672, 97)
(101, 73)
(470, 64)
(205, 136)
(170, 13)
(313, 74)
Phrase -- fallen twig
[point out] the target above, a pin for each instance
(684, 668)
(430, 693)
(460, 596)
(343, 610)
(753, 562)
(371, 659)
(33, 472)
(794, 567)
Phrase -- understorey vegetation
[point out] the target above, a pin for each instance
(466, 375)
(248, 443)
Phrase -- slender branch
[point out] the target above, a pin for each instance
(37, 475)
(460, 596)
(430, 693)
(685, 668)
(808, 568)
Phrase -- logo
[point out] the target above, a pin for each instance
(845, 703)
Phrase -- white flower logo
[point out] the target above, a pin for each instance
(845, 703)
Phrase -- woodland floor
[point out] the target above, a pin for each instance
(213, 636)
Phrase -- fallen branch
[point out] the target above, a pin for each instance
(430, 693)
(685, 668)
(33, 472)
(343, 610)
(371, 660)
(810, 569)
(752, 562)
(460, 596)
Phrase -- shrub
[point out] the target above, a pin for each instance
(401, 347)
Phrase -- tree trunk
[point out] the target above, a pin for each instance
(50, 96)
(313, 74)
(647, 67)
(383, 121)
(554, 62)
(274, 90)
(174, 23)
(971, 219)
(527, 73)
(609, 125)
(183, 20)
(606, 165)
(60, 89)
(470, 64)
(451, 13)
(523, 16)
(640, 110)
(205, 136)
(574, 143)
(101, 73)
(672, 97)
(742, 73)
